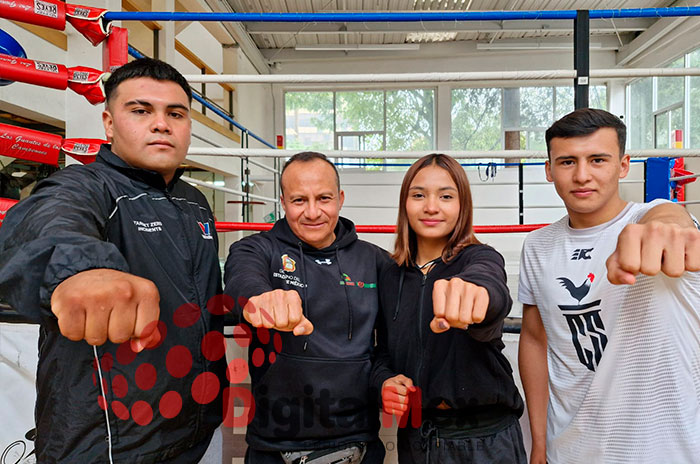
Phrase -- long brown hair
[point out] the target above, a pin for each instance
(405, 248)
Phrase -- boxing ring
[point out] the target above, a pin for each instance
(95, 24)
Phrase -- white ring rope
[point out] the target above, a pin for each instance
(355, 154)
(435, 76)
(227, 190)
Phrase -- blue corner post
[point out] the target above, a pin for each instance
(658, 179)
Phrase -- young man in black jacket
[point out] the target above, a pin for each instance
(121, 254)
(314, 284)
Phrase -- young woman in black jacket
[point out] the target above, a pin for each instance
(438, 362)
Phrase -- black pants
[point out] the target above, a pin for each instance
(502, 447)
(374, 455)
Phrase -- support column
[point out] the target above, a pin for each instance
(232, 211)
(616, 97)
(443, 113)
(166, 35)
(581, 58)
(229, 53)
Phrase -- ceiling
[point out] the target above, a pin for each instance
(279, 42)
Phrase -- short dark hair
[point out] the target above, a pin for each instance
(146, 67)
(586, 121)
(305, 157)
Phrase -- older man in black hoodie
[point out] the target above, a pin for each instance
(313, 283)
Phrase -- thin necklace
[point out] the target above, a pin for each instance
(429, 263)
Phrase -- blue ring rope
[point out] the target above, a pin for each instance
(400, 16)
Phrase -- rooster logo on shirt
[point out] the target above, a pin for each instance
(584, 321)
(580, 292)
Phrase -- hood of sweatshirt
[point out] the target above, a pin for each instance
(344, 231)
(345, 236)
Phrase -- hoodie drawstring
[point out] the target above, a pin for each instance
(347, 297)
(306, 306)
(427, 432)
(402, 276)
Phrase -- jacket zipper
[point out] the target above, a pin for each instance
(194, 285)
(420, 327)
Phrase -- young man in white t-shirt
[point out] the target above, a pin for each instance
(610, 343)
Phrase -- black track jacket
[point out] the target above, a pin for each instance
(316, 393)
(463, 368)
(110, 215)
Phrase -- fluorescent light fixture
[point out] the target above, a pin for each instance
(532, 46)
(431, 36)
(357, 47)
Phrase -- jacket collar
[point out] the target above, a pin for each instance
(148, 177)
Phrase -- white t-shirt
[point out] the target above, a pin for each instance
(624, 361)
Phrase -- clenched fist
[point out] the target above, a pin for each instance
(104, 304)
(395, 394)
(654, 247)
(457, 303)
(278, 309)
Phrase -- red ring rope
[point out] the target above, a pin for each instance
(379, 229)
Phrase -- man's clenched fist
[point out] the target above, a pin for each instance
(278, 309)
(654, 247)
(104, 304)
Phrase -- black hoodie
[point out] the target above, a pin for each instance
(463, 368)
(316, 392)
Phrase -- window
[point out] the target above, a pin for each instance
(476, 119)
(694, 102)
(482, 118)
(410, 116)
(670, 89)
(365, 120)
(640, 109)
(359, 121)
(662, 109)
(309, 120)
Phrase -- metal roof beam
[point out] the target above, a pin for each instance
(598, 26)
(434, 50)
